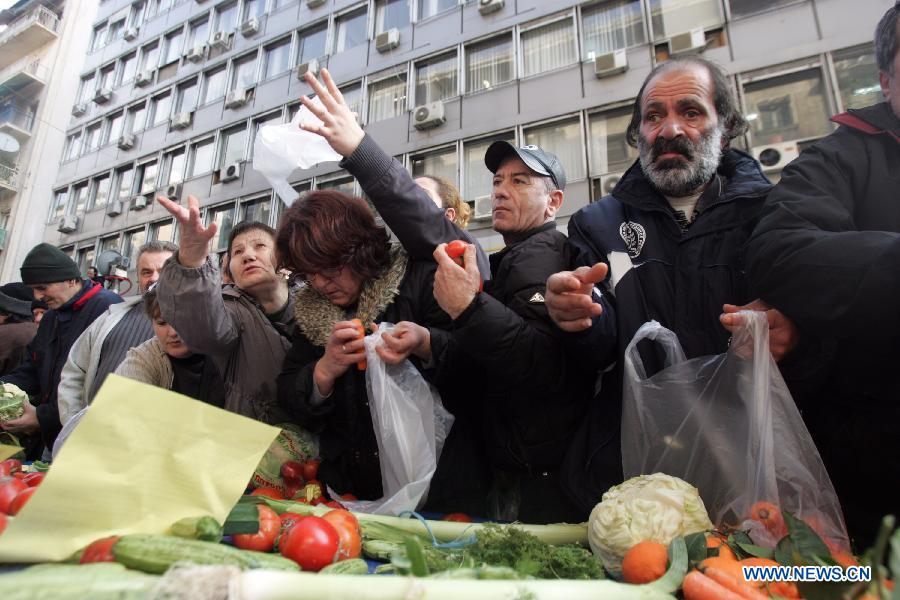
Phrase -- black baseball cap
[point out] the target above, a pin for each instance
(539, 161)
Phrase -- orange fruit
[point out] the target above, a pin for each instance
(645, 562)
(714, 541)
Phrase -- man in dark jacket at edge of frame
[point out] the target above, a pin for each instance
(826, 252)
(518, 401)
(74, 304)
(667, 244)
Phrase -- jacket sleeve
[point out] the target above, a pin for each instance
(72, 392)
(415, 219)
(191, 300)
(807, 258)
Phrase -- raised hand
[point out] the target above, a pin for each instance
(569, 300)
(339, 125)
(193, 238)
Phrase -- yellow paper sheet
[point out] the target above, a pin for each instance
(6, 451)
(141, 459)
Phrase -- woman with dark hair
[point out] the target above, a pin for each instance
(332, 242)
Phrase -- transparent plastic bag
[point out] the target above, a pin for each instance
(410, 425)
(727, 425)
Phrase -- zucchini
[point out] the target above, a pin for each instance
(352, 566)
(204, 528)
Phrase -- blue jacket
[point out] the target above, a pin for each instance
(39, 372)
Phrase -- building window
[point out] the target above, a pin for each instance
(740, 8)
(352, 94)
(92, 137)
(98, 38)
(277, 58)
(429, 8)
(857, 77)
(611, 26)
(186, 100)
(478, 180)
(609, 150)
(273, 118)
(198, 33)
(160, 108)
(350, 30)
(257, 210)
(58, 209)
(233, 145)
(107, 74)
(136, 18)
(387, 98)
(787, 108)
(391, 14)
(124, 185)
(127, 69)
(174, 43)
(342, 182)
(548, 47)
(100, 192)
(201, 157)
(254, 8)
(226, 17)
(311, 43)
(562, 138)
(223, 217)
(80, 198)
(115, 30)
(489, 63)
(163, 231)
(244, 74)
(73, 146)
(671, 17)
(85, 259)
(134, 239)
(173, 166)
(443, 163)
(213, 86)
(436, 79)
(87, 89)
(136, 118)
(149, 57)
(146, 177)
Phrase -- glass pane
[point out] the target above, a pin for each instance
(609, 150)
(148, 172)
(124, 181)
(254, 8)
(80, 196)
(671, 17)
(353, 97)
(106, 77)
(786, 108)
(202, 158)
(213, 86)
(86, 92)
(234, 143)
(612, 26)
(59, 204)
(224, 219)
(740, 8)
(133, 241)
(163, 232)
(387, 98)
(442, 163)
(85, 259)
(391, 14)
(478, 177)
(429, 8)
(199, 33)
(92, 137)
(857, 75)
(226, 18)
(161, 106)
(436, 80)
(137, 118)
(127, 69)
(562, 138)
(278, 59)
(244, 73)
(173, 47)
(489, 63)
(312, 44)
(549, 47)
(74, 148)
(342, 184)
(150, 57)
(109, 243)
(114, 128)
(175, 161)
(351, 30)
(257, 210)
(101, 191)
(187, 97)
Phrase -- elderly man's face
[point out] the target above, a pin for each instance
(890, 82)
(680, 139)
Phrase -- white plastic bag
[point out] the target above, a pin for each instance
(279, 149)
(410, 426)
(727, 425)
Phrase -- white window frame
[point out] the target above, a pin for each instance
(537, 24)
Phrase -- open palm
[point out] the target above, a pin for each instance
(193, 241)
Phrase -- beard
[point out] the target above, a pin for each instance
(675, 177)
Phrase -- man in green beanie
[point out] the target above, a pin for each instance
(74, 304)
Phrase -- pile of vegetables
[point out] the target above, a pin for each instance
(16, 488)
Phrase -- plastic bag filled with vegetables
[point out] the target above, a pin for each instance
(293, 443)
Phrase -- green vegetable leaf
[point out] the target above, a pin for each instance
(785, 553)
(806, 542)
(696, 546)
(417, 565)
(243, 518)
(757, 551)
(739, 537)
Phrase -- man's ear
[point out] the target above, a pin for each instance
(554, 204)
(450, 213)
(884, 78)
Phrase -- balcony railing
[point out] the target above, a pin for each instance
(41, 15)
(18, 117)
(9, 177)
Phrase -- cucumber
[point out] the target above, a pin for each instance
(352, 566)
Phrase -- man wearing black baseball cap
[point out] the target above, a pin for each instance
(74, 304)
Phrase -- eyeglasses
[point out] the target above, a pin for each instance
(329, 274)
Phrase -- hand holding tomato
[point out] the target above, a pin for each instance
(455, 286)
(311, 542)
(343, 349)
(264, 539)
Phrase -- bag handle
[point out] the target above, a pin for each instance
(652, 330)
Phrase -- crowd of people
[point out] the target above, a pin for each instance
(524, 346)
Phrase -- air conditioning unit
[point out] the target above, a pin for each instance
(221, 40)
(314, 3)
(130, 33)
(102, 95)
(115, 208)
(126, 142)
(484, 208)
(387, 40)
(230, 172)
(486, 7)
(79, 109)
(429, 115)
(687, 43)
(236, 98)
(311, 66)
(180, 120)
(608, 182)
(173, 191)
(140, 202)
(611, 63)
(144, 78)
(775, 157)
(250, 27)
(196, 54)
(67, 224)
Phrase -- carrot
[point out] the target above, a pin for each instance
(698, 586)
(738, 587)
(360, 334)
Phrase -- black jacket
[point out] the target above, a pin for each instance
(657, 271)
(826, 252)
(38, 375)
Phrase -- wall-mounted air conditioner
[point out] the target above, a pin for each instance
(250, 27)
(608, 182)
(173, 191)
(114, 208)
(196, 54)
(483, 207)
(130, 33)
(181, 120)
(775, 157)
(237, 97)
(688, 43)
(230, 172)
(126, 142)
(144, 78)
(79, 109)
(387, 40)
(611, 63)
(314, 3)
(67, 224)
(141, 202)
(311, 66)
(429, 115)
(221, 40)
(486, 7)
(103, 95)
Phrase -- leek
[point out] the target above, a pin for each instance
(98, 581)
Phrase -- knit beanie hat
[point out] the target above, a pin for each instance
(46, 263)
(15, 299)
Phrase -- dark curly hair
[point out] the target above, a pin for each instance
(326, 230)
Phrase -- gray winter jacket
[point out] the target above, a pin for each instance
(148, 363)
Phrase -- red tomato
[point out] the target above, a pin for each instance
(349, 497)
(19, 501)
(100, 550)
(9, 489)
(3, 519)
(458, 517)
(19, 475)
(310, 469)
(268, 492)
(312, 543)
(348, 530)
(10, 466)
(264, 539)
(291, 489)
(33, 479)
(288, 519)
(292, 471)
